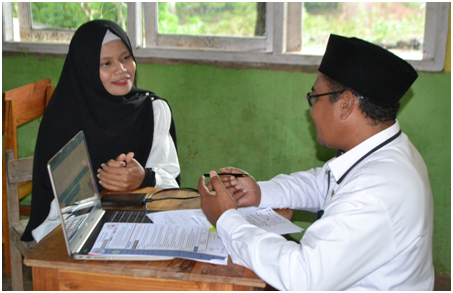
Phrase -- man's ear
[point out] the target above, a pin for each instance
(346, 103)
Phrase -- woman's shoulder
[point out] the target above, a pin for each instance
(160, 103)
(161, 108)
(155, 98)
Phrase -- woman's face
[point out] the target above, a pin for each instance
(117, 68)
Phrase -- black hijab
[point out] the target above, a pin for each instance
(112, 124)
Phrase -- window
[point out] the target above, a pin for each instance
(199, 33)
(234, 19)
(396, 26)
(70, 15)
(47, 27)
(252, 32)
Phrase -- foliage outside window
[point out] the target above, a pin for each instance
(397, 26)
(240, 19)
(71, 15)
(251, 32)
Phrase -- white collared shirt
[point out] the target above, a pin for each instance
(375, 234)
(163, 158)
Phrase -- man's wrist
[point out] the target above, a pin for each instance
(228, 222)
(224, 216)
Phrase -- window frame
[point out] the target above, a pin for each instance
(156, 40)
(283, 38)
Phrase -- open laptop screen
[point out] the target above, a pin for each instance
(75, 190)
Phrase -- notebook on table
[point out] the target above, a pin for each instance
(81, 214)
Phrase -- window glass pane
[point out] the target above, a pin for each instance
(396, 26)
(240, 19)
(70, 15)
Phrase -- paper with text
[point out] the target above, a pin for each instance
(266, 219)
(191, 242)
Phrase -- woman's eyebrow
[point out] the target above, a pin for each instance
(108, 57)
(125, 52)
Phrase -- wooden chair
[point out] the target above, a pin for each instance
(17, 171)
(20, 105)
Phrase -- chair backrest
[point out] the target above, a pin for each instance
(20, 105)
(17, 170)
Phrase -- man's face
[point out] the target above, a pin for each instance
(324, 114)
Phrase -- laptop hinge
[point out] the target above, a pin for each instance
(94, 222)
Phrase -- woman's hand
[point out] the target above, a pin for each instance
(122, 174)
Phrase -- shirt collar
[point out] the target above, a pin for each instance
(339, 166)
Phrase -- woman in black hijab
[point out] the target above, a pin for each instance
(129, 132)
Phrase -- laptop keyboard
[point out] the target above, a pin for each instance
(130, 217)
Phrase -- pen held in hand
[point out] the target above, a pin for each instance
(230, 174)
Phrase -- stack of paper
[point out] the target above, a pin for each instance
(183, 234)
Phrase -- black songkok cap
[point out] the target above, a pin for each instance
(368, 69)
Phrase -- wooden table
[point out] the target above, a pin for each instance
(53, 269)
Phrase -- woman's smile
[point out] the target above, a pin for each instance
(121, 82)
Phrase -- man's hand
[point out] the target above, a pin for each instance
(245, 191)
(214, 206)
(122, 174)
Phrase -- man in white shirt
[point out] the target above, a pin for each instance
(374, 200)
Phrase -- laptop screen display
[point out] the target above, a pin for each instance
(72, 180)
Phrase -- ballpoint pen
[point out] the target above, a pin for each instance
(230, 174)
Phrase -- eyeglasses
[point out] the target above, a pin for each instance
(310, 97)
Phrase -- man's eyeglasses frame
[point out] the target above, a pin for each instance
(310, 96)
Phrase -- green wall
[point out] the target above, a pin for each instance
(258, 120)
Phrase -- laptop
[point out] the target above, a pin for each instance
(80, 210)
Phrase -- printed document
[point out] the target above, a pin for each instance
(191, 242)
(266, 219)
(183, 234)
